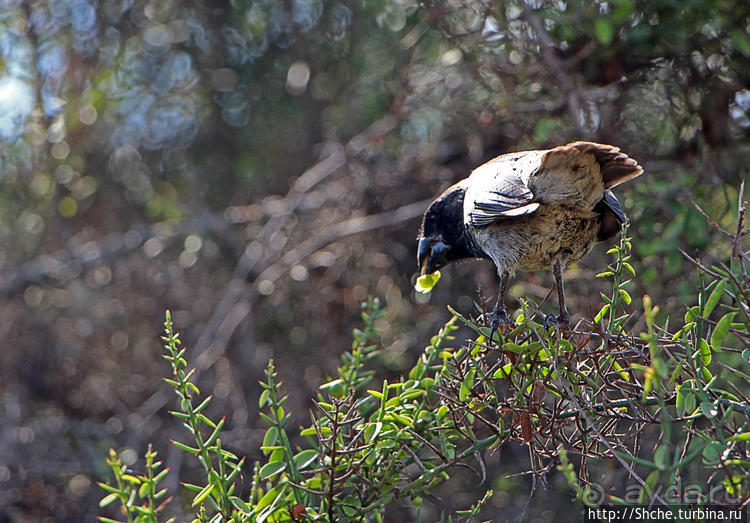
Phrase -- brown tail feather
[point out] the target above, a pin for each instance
(616, 166)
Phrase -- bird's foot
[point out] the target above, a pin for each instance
(499, 319)
(561, 322)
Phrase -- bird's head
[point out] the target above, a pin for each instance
(442, 237)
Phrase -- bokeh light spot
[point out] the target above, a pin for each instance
(297, 78)
(68, 207)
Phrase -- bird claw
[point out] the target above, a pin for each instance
(498, 320)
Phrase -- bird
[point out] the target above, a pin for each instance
(528, 210)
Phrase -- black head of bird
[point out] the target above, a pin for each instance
(530, 210)
(442, 237)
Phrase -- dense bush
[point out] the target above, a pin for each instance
(667, 406)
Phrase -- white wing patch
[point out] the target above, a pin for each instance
(499, 189)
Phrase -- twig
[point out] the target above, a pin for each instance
(626, 402)
(592, 426)
(711, 221)
(737, 241)
(237, 298)
(338, 231)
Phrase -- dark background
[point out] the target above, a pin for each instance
(259, 167)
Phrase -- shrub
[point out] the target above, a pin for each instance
(667, 407)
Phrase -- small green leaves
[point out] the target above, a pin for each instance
(661, 457)
(139, 494)
(721, 330)
(466, 385)
(712, 451)
(263, 398)
(704, 351)
(271, 437)
(372, 431)
(271, 469)
(714, 298)
(685, 402)
(648, 489)
(604, 310)
(106, 500)
(203, 494)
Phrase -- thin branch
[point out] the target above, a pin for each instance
(338, 231)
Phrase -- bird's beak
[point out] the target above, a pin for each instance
(431, 255)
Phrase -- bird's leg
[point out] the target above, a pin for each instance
(563, 320)
(499, 315)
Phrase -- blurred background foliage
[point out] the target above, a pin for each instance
(259, 167)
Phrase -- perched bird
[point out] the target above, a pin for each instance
(530, 210)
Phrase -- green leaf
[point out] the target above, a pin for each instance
(686, 401)
(714, 298)
(741, 41)
(203, 405)
(215, 434)
(271, 437)
(111, 489)
(269, 499)
(603, 31)
(661, 457)
(373, 429)
(304, 458)
(271, 469)
(742, 436)
(504, 371)
(705, 351)
(625, 296)
(404, 420)
(239, 504)
(601, 313)
(648, 488)
(411, 394)
(203, 494)
(264, 398)
(618, 367)
(466, 385)
(712, 451)
(512, 347)
(109, 498)
(336, 388)
(721, 330)
(310, 431)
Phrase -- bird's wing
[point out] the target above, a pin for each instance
(612, 216)
(574, 175)
(499, 189)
